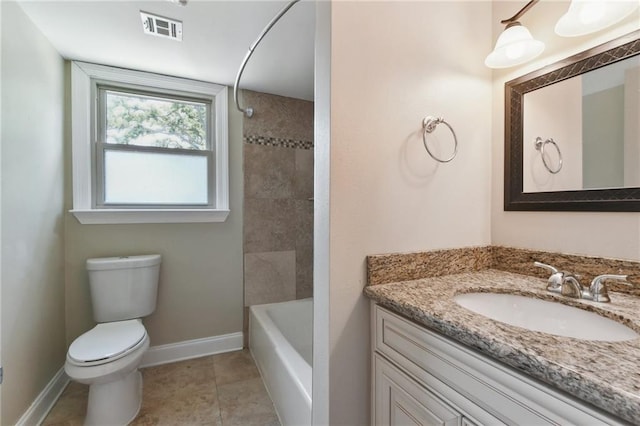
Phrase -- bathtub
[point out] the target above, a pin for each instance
(280, 340)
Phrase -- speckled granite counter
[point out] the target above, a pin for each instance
(605, 374)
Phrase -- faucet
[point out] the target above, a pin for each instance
(567, 284)
(598, 289)
(555, 281)
(563, 283)
(571, 287)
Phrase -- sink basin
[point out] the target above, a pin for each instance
(545, 316)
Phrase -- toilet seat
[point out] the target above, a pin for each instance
(107, 342)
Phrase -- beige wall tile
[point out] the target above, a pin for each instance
(269, 172)
(304, 272)
(269, 277)
(269, 225)
(278, 117)
(303, 183)
(278, 178)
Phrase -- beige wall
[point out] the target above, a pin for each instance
(598, 234)
(632, 127)
(603, 144)
(200, 291)
(543, 107)
(393, 63)
(33, 348)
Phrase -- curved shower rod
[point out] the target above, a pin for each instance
(249, 111)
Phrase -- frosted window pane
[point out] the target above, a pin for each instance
(152, 178)
(134, 119)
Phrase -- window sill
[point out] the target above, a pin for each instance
(117, 216)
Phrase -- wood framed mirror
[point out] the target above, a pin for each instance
(586, 111)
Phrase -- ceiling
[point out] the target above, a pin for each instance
(216, 37)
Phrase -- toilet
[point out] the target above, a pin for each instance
(107, 357)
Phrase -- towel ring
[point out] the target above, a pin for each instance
(429, 124)
(540, 147)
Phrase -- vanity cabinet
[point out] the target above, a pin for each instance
(402, 401)
(424, 378)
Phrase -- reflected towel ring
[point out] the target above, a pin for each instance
(540, 147)
(429, 124)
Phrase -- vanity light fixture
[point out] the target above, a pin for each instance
(589, 16)
(515, 45)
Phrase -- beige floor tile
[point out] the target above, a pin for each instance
(234, 366)
(188, 404)
(186, 393)
(70, 408)
(246, 403)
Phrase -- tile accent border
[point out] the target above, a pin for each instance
(40, 407)
(388, 268)
(278, 142)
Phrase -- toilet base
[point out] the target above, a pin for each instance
(115, 403)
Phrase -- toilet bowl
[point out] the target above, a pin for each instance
(107, 359)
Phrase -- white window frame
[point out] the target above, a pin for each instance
(83, 77)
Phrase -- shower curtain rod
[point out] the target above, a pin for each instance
(249, 111)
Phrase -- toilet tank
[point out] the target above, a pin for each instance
(123, 287)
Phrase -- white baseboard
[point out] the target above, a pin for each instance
(44, 402)
(188, 349)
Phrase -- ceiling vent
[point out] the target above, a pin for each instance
(161, 27)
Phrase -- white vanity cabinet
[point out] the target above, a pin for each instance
(402, 401)
(423, 378)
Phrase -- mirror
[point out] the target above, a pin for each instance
(572, 132)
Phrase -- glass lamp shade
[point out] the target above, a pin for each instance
(589, 16)
(515, 46)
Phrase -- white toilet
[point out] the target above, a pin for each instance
(123, 290)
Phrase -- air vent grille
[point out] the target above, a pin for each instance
(161, 26)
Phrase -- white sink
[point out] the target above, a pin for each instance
(545, 316)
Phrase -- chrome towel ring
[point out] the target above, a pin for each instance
(429, 124)
(540, 147)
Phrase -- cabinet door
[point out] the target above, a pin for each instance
(401, 401)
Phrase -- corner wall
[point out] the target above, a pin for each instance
(33, 329)
(615, 235)
(393, 63)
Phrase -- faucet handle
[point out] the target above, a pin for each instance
(598, 288)
(550, 268)
(554, 283)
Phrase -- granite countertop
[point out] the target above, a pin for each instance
(605, 374)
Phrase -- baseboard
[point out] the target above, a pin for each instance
(188, 349)
(44, 402)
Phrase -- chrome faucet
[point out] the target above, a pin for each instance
(598, 289)
(567, 284)
(571, 287)
(555, 281)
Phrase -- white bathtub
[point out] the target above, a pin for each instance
(280, 340)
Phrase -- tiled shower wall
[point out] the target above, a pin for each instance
(278, 199)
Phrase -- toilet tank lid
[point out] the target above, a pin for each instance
(123, 262)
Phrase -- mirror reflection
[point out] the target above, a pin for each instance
(584, 132)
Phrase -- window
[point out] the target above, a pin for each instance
(147, 148)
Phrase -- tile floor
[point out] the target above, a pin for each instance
(221, 390)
